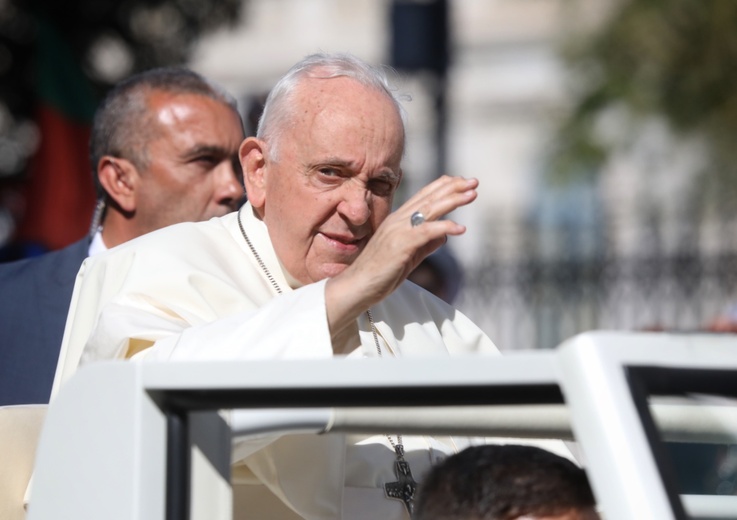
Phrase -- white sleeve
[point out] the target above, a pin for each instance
(292, 325)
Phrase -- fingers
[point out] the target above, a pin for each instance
(434, 202)
(440, 197)
(397, 247)
(407, 241)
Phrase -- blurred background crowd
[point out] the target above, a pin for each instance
(600, 131)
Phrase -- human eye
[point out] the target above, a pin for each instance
(330, 176)
(207, 159)
(329, 171)
(204, 162)
(382, 187)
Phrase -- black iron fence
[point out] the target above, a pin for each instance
(538, 303)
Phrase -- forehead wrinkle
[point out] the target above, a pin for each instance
(318, 106)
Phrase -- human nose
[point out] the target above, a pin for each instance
(355, 205)
(228, 186)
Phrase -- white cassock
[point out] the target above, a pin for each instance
(195, 291)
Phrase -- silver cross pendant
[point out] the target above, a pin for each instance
(405, 486)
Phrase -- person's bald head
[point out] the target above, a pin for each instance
(280, 107)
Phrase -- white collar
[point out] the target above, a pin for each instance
(97, 246)
(259, 236)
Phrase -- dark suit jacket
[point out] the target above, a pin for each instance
(34, 301)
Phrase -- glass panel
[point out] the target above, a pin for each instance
(696, 449)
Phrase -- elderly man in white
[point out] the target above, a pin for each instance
(313, 266)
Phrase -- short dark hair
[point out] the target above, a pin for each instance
(122, 124)
(502, 482)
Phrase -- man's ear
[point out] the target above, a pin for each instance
(119, 178)
(252, 154)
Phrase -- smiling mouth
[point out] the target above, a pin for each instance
(344, 241)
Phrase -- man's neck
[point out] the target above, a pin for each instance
(117, 228)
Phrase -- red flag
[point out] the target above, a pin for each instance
(60, 194)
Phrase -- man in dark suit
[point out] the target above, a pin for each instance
(164, 149)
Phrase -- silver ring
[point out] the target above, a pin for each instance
(416, 219)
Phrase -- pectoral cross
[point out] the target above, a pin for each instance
(405, 486)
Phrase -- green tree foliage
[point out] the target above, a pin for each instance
(671, 59)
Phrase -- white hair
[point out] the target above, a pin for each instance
(278, 108)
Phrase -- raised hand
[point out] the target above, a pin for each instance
(397, 248)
